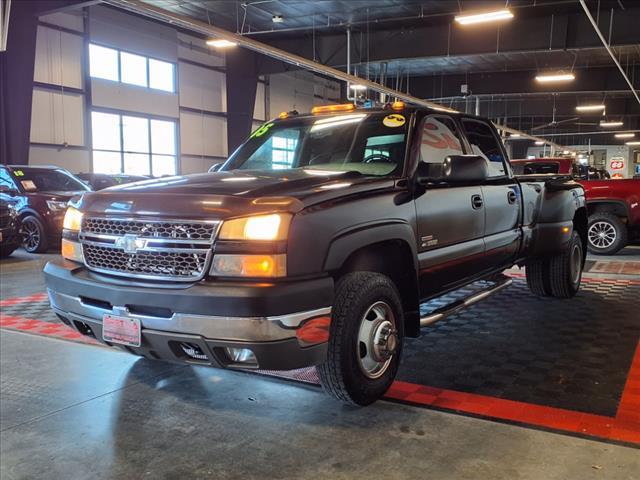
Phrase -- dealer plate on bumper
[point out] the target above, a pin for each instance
(121, 330)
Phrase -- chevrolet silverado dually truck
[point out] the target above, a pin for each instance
(613, 205)
(315, 244)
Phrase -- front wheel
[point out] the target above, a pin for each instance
(34, 235)
(365, 342)
(607, 234)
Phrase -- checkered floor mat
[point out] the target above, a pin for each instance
(572, 354)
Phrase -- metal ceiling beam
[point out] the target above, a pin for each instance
(606, 45)
(189, 23)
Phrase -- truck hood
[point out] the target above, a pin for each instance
(230, 194)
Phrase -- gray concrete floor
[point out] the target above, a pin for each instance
(76, 411)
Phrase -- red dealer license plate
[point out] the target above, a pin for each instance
(122, 330)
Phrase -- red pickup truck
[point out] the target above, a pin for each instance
(613, 205)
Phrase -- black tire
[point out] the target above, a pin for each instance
(613, 230)
(343, 375)
(565, 269)
(34, 235)
(537, 272)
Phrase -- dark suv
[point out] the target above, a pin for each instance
(9, 229)
(315, 244)
(40, 195)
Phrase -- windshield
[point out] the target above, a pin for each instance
(368, 143)
(46, 180)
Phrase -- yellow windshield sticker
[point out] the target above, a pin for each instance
(262, 130)
(394, 120)
(18, 173)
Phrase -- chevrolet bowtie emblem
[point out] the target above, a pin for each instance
(130, 243)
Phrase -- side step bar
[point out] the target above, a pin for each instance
(502, 281)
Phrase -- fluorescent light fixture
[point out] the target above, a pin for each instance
(633, 143)
(358, 87)
(515, 135)
(589, 108)
(221, 43)
(484, 17)
(555, 77)
(539, 142)
(625, 135)
(607, 124)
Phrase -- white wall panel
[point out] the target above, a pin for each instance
(196, 50)
(57, 118)
(58, 58)
(259, 112)
(134, 34)
(193, 164)
(202, 88)
(71, 20)
(105, 93)
(72, 159)
(291, 91)
(203, 135)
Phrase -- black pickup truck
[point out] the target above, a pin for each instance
(314, 244)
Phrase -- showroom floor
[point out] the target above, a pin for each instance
(75, 410)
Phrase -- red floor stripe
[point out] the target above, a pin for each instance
(38, 297)
(48, 329)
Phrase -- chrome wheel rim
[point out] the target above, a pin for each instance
(602, 235)
(576, 263)
(377, 340)
(31, 235)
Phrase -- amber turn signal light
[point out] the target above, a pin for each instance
(345, 107)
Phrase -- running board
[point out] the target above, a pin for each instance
(502, 281)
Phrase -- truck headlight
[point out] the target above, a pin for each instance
(234, 265)
(260, 227)
(56, 206)
(72, 219)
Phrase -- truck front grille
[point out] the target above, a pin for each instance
(151, 249)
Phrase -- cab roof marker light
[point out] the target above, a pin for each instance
(484, 17)
(555, 77)
(345, 107)
(397, 106)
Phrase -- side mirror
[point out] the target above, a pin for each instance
(454, 169)
(215, 167)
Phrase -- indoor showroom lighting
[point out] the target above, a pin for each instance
(357, 87)
(221, 43)
(555, 77)
(633, 143)
(625, 135)
(605, 123)
(484, 17)
(538, 142)
(589, 108)
(515, 135)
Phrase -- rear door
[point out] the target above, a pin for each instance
(501, 194)
(450, 219)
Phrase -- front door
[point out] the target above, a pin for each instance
(450, 219)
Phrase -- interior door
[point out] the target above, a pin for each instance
(450, 219)
(501, 194)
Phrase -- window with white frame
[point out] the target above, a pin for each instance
(133, 144)
(118, 66)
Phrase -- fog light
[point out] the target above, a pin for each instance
(241, 355)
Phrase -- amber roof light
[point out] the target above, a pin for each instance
(345, 107)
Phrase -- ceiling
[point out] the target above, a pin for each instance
(424, 52)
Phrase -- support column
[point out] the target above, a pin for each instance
(242, 83)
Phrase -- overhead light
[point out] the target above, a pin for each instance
(625, 135)
(357, 87)
(515, 135)
(221, 43)
(607, 124)
(484, 17)
(633, 143)
(277, 19)
(539, 142)
(555, 77)
(589, 108)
